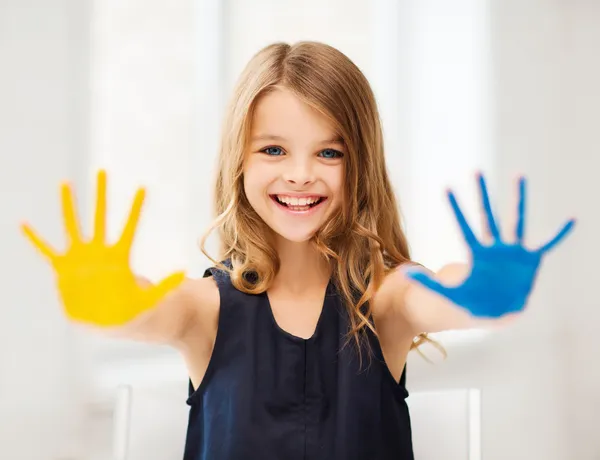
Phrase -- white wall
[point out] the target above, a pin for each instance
(83, 85)
(583, 147)
(43, 139)
(155, 121)
(548, 70)
(344, 24)
(525, 401)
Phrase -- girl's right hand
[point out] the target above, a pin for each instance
(94, 279)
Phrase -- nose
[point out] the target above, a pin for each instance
(299, 172)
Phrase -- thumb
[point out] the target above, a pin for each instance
(167, 285)
(425, 279)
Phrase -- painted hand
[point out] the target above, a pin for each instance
(502, 274)
(94, 280)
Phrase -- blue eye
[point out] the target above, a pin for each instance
(273, 151)
(330, 153)
(278, 151)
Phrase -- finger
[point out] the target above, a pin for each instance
(487, 208)
(134, 216)
(567, 228)
(70, 218)
(100, 217)
(167, 285)
(468, 234)
(520, 230)
(486, 237)
(426, 280)
(46, 250)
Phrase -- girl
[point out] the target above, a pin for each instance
(296, 339)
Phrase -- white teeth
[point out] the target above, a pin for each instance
(294, 201)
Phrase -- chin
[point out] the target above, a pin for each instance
(295, 235)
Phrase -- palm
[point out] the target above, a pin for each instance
(94, 279)
(502, 274)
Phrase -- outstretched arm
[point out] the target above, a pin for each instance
(97, 287)
(489, 291)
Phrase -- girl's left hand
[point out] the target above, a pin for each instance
(502, 273)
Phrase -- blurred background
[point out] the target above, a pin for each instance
(139, 86)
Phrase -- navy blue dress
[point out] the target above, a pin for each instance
(269, 395)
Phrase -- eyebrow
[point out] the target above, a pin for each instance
(273, 137)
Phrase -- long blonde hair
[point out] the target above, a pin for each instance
(363, 241)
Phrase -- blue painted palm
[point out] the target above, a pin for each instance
(502, 274)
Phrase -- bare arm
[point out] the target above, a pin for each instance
(190, 308)
(427, 311)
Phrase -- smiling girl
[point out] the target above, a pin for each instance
(296, 339)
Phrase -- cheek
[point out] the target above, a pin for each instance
(337, 184)
(251, 188)
(250, 175)
(256, 182)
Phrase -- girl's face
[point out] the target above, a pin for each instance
(294, 168)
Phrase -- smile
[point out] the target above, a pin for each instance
(298, 205)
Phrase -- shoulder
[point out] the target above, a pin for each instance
(203, 298)
(393, 325)
(203, 294)
(197, 343)
(394, 286)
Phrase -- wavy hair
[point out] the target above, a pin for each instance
(363, 240)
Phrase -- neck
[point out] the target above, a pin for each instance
(301, 266)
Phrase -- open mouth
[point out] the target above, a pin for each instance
(296, 204)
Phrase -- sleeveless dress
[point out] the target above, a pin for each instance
(269, 395)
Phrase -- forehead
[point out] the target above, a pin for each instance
(282, 113)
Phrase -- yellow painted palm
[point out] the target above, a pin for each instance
(94, 278)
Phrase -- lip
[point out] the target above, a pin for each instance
(308, 212)
(298, 195)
